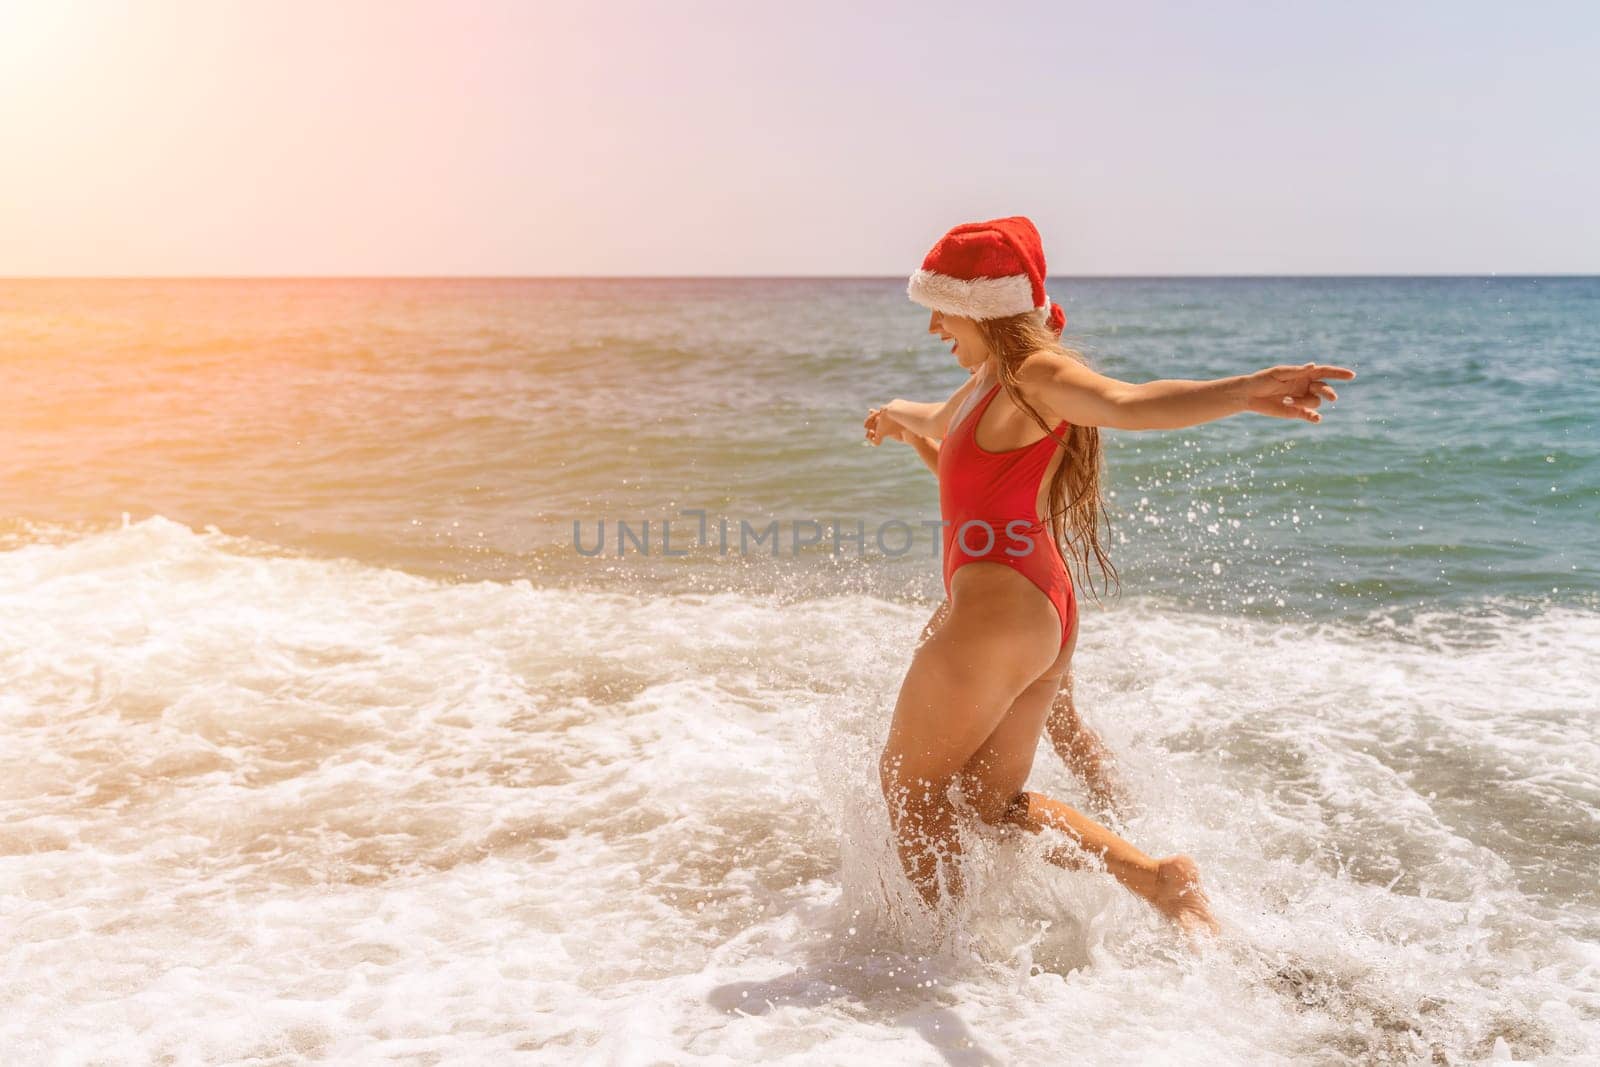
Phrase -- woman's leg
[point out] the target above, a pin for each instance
(1171, 885)
(998, 636)
(992, 781)
(1082, 750)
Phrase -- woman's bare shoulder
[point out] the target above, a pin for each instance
(1042, 366)
(1041, 362)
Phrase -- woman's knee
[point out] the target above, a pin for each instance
(991, 805)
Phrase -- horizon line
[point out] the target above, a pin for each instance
(757, 277)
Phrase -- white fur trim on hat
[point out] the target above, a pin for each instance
(980, 298)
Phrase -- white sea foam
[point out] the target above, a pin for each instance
(280, 808)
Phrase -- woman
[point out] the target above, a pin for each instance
(1075, 742)
(1019, 465)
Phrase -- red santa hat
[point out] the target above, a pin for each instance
(987, 270)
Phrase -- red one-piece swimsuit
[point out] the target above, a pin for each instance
(988, 503)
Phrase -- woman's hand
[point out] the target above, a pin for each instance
(880, 425)
(1291, 392)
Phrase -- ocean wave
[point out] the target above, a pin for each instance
(306, 795)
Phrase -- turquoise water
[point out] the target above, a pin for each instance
(460, 428)
(1459, 467)
(315, 713)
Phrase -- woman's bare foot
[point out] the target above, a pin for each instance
(1179, 897)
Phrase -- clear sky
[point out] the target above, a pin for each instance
(336, 137)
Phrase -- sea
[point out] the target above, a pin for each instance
(459, 671)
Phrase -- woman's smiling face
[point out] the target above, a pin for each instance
(968, 346)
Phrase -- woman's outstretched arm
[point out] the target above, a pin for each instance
(1073, 392)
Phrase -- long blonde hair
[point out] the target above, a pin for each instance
(1077, 503)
